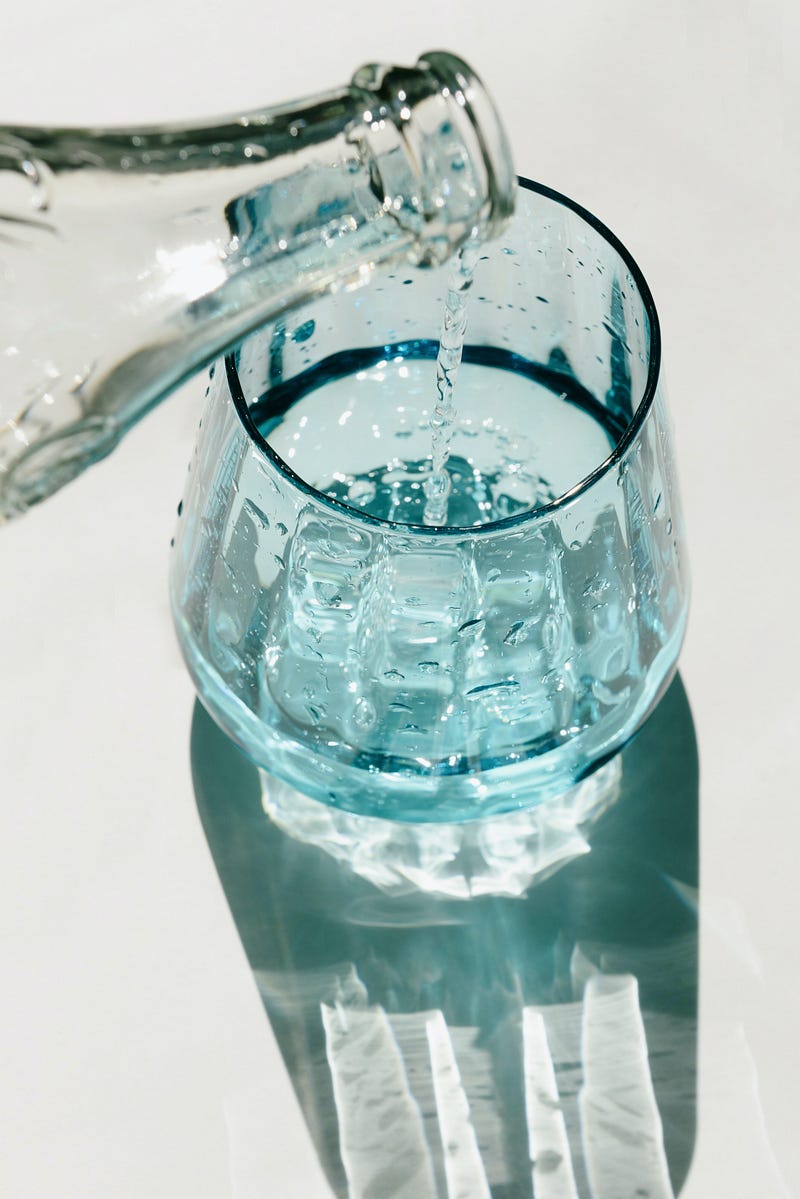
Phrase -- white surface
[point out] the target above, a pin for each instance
(135, 1057)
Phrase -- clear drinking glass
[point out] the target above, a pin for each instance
(441, 673)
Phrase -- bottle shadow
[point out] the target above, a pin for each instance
(498, 1045)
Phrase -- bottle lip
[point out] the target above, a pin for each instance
(465, 85)
(604, 468)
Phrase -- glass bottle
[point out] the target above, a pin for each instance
(130, 259)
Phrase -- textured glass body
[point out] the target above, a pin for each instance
(131, 258)
(441, 673)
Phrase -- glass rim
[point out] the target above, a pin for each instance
(613, 459)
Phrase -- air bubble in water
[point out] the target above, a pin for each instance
(361, 491)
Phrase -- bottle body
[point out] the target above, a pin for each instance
(132, 258)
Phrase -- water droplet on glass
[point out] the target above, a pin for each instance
(260, 517)
(551, 633)
(327, 594)
(499, 685)
(225, 628)
(304, 331)
(364, 715)
(518, 632)
(470, 627)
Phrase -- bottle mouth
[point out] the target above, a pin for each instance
(457, 77)
(439, 157)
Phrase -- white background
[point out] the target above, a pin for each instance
(135, 1057)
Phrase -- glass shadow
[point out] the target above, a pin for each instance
(541, 1045)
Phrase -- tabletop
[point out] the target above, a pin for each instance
(155, 1036)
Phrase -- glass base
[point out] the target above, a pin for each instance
(498, 856)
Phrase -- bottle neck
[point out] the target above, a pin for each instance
(139, 256)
